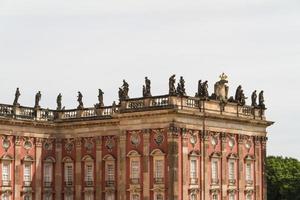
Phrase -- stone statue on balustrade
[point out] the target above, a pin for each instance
(38, 97)
(199, 92)
(80, 102)
(221, 89)
(240, 97)
(172, 89)
(123, 91)
(17, 95)
(147, 88)
(204, 89)
(58, 102)
(261, 100)
(181, 87)
(100, 99)
(242, 100)
(254, 99)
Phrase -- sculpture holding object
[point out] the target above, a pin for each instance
(172, 89)
(181, 87)
(147, 88)
(58, 102)
(123, 91)
(17, 95)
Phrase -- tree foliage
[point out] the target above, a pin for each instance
(283, 177)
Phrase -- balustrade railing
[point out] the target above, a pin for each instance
(6, 110)
(159, 101)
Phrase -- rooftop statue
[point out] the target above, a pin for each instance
(147, 88)
(58, 102)
(243, 98)
(172, 89)
(238, 94)
(221, 89)
(261, 100)
(100, 99)
(181, 87)
(199, 93)
(37, 99)
(17, 95)
(205, 90)
(123, 91)
(79, 99)
(254, 99)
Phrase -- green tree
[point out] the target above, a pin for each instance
(283, 177)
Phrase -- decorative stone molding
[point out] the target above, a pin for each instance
(159, 137)
(39, 142)
(135, 138)
(110, 143)
(89, 144)
(6, 142)
(78, 142)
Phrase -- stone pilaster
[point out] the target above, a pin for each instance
(122, 166)
(146, 165)
(78, 181)
(18, 177)
(241, 176)
(263, 164)
(58, 169)
(98, 167)
(185, 166)
(38, 168)
(173, 163)
(205, 165)
(258, 178)
(224, 179)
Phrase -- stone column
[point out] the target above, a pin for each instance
(258, 170)
(98, 167)
(58, 169)
(172, 158)
(241, 175)
(17, 170)
(38, 168)
(224, 179)
(121, 161)
(185, 167)
(78, 181)
(146, 165)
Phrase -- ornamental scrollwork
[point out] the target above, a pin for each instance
(110, 143)
(135, 139)
(159, 137)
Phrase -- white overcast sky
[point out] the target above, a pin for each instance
(70, 45)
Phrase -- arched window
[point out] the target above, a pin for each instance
(109, 171)
(134, 160)
(193, 196)
(4, 197)
(27, 172)
(231, 196)
(6, 170)
(158, 166)
(248, 197)
(68, 171)
(48, 172)
(135, 197)
(159, 197)
(88, 170)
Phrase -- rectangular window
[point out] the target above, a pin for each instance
(110, 172)
(159, 169)
(231, 170)
(159, 197)
(48, 197)
(231, 196)
(88, 196)
(248, 172)
(69, 197)
(27, 172)
(89, 172)
(215, 197)
(48, 172)
(69, 173)
(6, 172)
(214, 170)
(193, 169)
(135, 169)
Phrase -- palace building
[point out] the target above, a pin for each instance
(169, 147)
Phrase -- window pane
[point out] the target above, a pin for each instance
(135, 169)
(231, 170)
(89, 172)
(69, 173)
(27, 172)
(248, 172)
(6, 172)
(48, 172)
(159, 169)
(110, 172)
(193, 169)
(214, 170)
